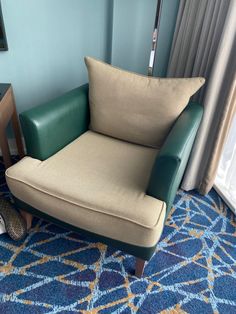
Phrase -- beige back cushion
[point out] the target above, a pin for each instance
(136, 108)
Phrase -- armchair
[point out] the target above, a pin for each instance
(118, 192)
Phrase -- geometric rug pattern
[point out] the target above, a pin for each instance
(193, 270)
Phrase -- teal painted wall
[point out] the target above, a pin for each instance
(132, 32)
(48, 40)
(167, 27)
(133, 23)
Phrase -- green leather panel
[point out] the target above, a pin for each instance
(50, 127)
(138, 251)
(172, 159)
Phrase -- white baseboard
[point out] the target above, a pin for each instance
(12, 146)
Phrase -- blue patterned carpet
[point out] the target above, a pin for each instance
(193, 271)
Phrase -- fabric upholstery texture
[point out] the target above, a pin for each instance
(136, 108)
(97, 183)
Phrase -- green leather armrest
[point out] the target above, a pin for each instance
(49, 127)
(172, 159)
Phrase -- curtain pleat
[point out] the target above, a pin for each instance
(223, 129)
(202, 45)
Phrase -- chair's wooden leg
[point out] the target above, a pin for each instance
(140, 263)
(27, 217)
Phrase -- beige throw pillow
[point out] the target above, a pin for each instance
(136, 108)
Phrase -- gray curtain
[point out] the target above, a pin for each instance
(204, 45)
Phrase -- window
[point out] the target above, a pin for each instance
(225, 182)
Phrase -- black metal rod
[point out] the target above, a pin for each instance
(155, 35)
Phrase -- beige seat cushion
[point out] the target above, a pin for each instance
(96, 183)
(136, 108)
